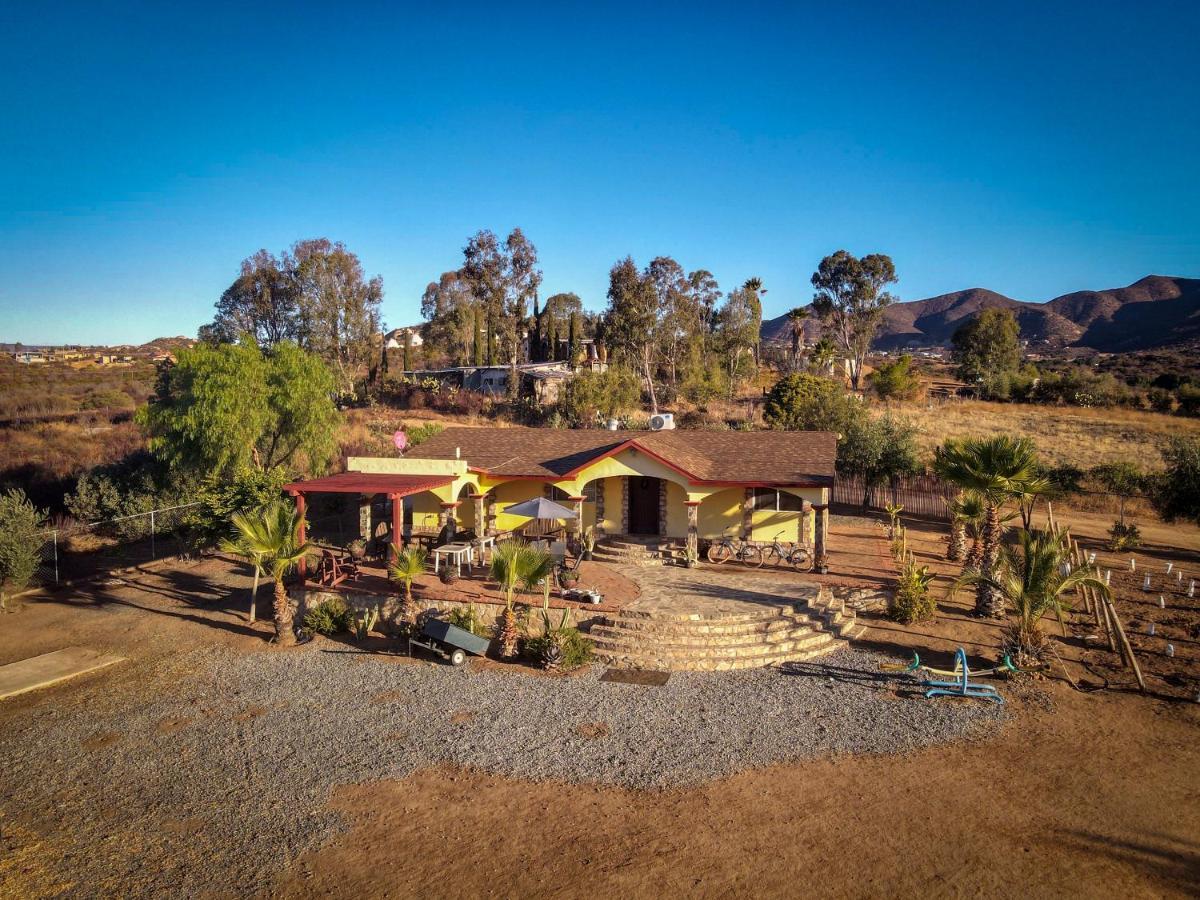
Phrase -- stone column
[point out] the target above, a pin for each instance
(447, 513)
(599, 508)
(662, 507)
(480, 520)
(625, 504)
(806, 509)
(819, 552)
(748, 515)
(490, 514)
(576, 526)
(693, 532)
(364, 518)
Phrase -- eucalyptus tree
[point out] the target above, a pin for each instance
(850, 300)
(449, 310)
(631, 322)
(339, 305)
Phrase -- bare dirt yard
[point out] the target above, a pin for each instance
(210, 764)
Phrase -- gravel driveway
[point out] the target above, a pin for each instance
(197, 774)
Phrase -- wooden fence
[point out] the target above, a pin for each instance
(920, 495)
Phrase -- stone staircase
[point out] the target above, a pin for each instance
(636, 550)
(642, 639)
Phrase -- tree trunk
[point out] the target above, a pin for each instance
(649, 382)
(987, 602)
(958, 541)
(254, 594)
(285, 634)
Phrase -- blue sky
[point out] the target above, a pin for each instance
(148, 148)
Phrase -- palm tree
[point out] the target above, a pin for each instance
(237, 546)
(408, 565)
(822, 357)
(272, 534)
(796, 318)
(966, 517)
(516, 563)
(998, 469)
(1034, 579)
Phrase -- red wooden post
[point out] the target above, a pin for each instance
(300, 532)
(397, 524)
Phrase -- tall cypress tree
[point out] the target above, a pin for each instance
(573, 340)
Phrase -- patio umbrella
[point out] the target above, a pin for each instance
(540, 508)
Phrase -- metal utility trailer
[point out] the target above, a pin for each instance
(448, 641)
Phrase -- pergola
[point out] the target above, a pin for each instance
(363, 483)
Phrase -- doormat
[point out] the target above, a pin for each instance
(635, 676)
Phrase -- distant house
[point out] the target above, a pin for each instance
(394, 339)
(30, 357)
(538, 380)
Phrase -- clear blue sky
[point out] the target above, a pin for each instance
(148, 148)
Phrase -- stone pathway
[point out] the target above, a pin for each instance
(711, 592)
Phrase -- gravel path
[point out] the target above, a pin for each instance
(197, 775)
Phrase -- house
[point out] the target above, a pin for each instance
(685, 487)
(394, 339)
(538, 380)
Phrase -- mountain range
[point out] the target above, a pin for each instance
(1155, 312)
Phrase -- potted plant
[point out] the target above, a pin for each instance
(589, 542)
(357, 549)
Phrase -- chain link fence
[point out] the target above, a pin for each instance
(74, 551)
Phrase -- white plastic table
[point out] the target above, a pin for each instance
(455, 553)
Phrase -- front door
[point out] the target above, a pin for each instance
(643, 505)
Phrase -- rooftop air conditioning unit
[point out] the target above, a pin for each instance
(662, 422)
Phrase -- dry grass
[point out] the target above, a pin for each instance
(1064, 435)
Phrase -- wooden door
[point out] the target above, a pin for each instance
(643, 505)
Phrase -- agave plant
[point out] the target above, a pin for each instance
(1032, 579)
(515, 563)
(998, 469)
(409, 563)
(272, 535)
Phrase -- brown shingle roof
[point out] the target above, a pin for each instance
(737, 457)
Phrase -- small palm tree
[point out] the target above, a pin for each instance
(516, 563)
(796, 318)
(408, 565)
(822, 357)
(237, 546)
(966, 515)
(1033, 579)
(998, 469)
(272, 535)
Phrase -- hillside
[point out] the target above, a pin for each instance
(1157, 311)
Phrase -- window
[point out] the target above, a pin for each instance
(776, 501)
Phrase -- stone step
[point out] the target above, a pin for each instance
(798, 641)
(745, 635)
(710, 664)
(621, 553)
(719, 618)
(625, 543)
(706, 627)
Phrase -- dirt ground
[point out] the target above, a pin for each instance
(1087, 793)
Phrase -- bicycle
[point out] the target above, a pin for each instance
(745, 553)
(791, 554)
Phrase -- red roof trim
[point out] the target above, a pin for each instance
(369, 483)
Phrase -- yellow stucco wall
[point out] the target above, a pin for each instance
(720, 513)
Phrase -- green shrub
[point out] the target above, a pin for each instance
(20, 542)
(600, 395)
(468, 620)
(248, 490)
(577, 650)
(1124, 536)
(330, 616)
(418, 434)
(913, 601)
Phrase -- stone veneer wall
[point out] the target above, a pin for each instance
(662, 507)
(581, 617)
(598, 485)
(625, 504)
